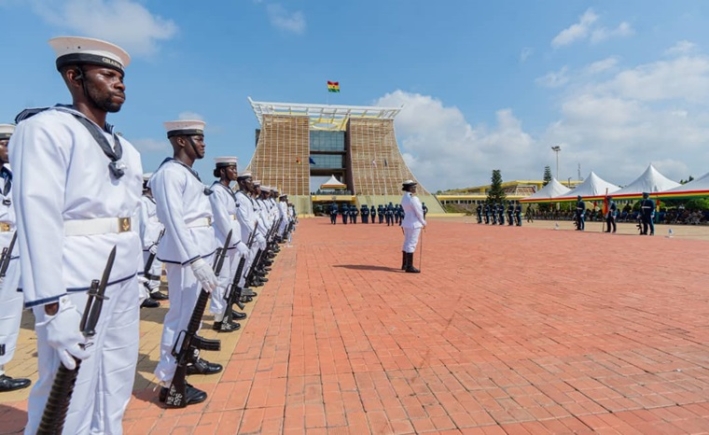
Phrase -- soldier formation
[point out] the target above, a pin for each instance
(392, 214)
(494, 213)
(85, 250)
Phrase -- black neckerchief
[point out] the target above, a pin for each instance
(231, 192)
(6, 175)
(207, 191)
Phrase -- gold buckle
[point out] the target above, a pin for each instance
(123, 224)
(4, 227)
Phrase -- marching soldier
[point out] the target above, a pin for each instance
(76, 188)
(518, 213)
(188, 247)
(333, 213)
(493, 212)
(510, 213)
(611, 214)
(150, 230)
(501, 213)
(353, 214)
(380, 213)
(413, 224)
(487, 213)
(223, 202)
(344, 212)
(425, 210)
(647, 210)
(479, 212)
(389, 214)
(580, 213)
(401, 215)
(373, 214)
(10, 297)
(365, 214)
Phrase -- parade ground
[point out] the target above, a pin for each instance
(507, 330)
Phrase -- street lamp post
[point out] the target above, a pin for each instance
(556, 149)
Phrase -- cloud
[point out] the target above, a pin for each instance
(123, 22)
(588, 28)
(681, 48)
(444, 150)
(602, 65)
(554, 79)
(576, 31)
(525, 54)
(151, 145)
(282, 19)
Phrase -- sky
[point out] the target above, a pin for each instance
(482, 84)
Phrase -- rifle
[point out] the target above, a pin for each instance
(187, 350)
(57, 406)
(233, 293)
(6, 256)
(151, 260)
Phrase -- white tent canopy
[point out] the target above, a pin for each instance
(551, 190)
(332, 183)
(699, 184)
(593, 185)
(650, 181)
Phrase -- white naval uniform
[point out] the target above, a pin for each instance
(63, 183)
(413, 221)
(283, 210)
(10, 297)
(224, 209)
(184, 209)
(150, 228)
(247, 216)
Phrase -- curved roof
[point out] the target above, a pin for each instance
(333, 183)
(650, 181)
(592, 186)
(551, 190)
(698, 187)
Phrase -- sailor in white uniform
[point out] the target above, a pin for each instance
(188, 246)
(248, 218)
(412, 224)
(224, 209)
(150, 232)
(77, 190)
(11, 299)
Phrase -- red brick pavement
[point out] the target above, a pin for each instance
(507, 331)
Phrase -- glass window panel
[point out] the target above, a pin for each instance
(327, 140)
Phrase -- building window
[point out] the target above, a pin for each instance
(327, 141)
(327, 161)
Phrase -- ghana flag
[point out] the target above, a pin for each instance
(333, 86)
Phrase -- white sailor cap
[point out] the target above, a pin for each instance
(265, 189)
(243, 175)
(284, 196)
(76, 50)
(257, 183)
(147, 176)
(187, 127)
(6, 131)
(222, 162)
(409, 183)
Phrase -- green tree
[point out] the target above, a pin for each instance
(496, 194)
(547, 175)
(687, 180)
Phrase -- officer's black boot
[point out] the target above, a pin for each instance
(410, 263)
(403, 260)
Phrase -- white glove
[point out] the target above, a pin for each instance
(153, 249)
(63, 333)
(260, 240)
(242, 249)
(205, 275)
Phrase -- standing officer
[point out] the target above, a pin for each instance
(479, 213)
(10, 297)
(365, 214)
(412, 225)
(390, 214)
(353, 214)
(487, 213)
(188, 246)
(425, 210)
(493, 212)
(333, 213)
(372, 214)
(501, 213)
(77, 187)
(612, 214)
(647, 210)
(580, 213)
(380, 213)
(510, 213)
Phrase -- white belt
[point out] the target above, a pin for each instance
(91, 227)
(201, 222)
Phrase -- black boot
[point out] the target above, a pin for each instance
(410, 263)
(203, 367)
(192, 395)
(403, 260)
(10, 384)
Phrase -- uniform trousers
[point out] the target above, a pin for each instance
(183, 290)
(283, 226)
(217, 304)
(105, 382)
(155, 269)
(11, 313)
(411, 239)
